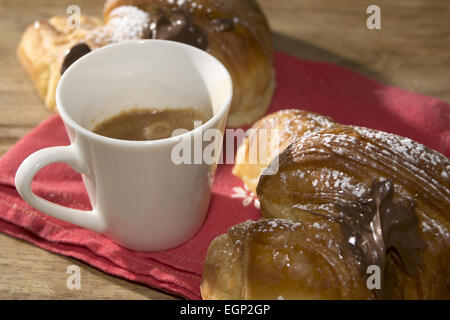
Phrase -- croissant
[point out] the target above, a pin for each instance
(278, 259)
(344, 200)
(281, 129)
(234, 31)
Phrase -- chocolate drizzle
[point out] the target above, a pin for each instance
(177, 26)
(377, 228)
(75, 53)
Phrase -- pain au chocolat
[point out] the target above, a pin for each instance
(234, 31)
(346, 204)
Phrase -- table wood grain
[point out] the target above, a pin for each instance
(411, 51)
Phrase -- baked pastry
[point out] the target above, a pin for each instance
(234, 31)
(344, 200)
(271, 135)
(279, 259)
(43, 47)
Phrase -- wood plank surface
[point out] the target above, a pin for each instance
(411, 51)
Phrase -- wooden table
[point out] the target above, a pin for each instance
(412, 51)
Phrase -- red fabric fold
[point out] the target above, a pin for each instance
(324, 88)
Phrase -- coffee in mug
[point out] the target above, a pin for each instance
(141, 198)
(150, 124)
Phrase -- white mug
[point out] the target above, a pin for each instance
(140, 197)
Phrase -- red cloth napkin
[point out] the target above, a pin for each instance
(346, 96)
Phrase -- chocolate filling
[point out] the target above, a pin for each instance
(76, 52)
(377, 228)
(178, 26)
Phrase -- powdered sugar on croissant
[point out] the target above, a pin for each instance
(125, 23)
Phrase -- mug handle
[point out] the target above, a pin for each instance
(35, 162)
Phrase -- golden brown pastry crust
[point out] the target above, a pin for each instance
(338, 165)
(290, 125)
(246, 49)
(42, 48)
(300, 251)
(279, 259)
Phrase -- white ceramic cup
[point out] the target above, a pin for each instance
(140, 197)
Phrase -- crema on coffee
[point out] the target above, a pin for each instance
(149, 124)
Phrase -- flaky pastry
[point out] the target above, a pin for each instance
(269, 136)
(345, 201)
(234, 31)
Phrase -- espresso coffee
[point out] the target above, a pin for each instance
(149, 124)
